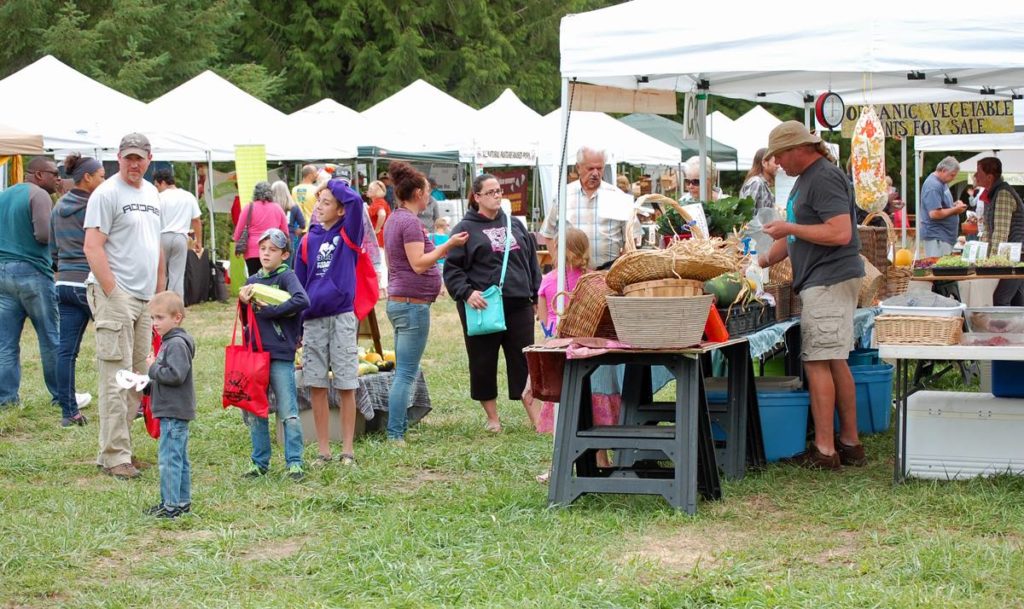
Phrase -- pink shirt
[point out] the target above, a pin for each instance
(265, 215)
(549, 288)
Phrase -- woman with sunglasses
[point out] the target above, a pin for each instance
(470, 270)
(691, 172)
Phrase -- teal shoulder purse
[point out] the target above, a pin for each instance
(492, 318)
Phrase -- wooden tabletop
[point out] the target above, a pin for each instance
(696, 350)
(970, 277)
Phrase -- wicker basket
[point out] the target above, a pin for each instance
(546, 368)
(681, 320)
(697, 259)
(918, 330)
(587, 312)
(875, 241)
(897, 280)
(781, 272)
(783, 294)
(661, 288)
(872, 282)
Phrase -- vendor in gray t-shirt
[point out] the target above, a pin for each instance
(820, 238)
(940, 215)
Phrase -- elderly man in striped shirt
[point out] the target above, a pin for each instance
(607, 236)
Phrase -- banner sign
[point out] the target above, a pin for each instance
(939, 118)
(596, 98)
(513, 183)
(251, 168)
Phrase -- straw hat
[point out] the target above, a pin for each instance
(789, 134)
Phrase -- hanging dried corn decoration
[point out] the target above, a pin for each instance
(867, 161)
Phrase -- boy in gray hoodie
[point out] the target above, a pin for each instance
(174, 403)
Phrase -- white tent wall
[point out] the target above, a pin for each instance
(421, 118)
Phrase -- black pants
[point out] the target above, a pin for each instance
(253, 265)
(1009, 293)
(483, 351)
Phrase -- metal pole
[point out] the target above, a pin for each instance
(702, 144)
(562, 203)
(208, 192)
(903, 188)
(917, 200)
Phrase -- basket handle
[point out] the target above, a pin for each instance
(663, 200)
(890, 229)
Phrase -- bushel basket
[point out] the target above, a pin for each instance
(680, 321)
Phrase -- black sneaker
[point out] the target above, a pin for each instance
(254, 471)
(154, 510)
(76, 421)
(169, 513)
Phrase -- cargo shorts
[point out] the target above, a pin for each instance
(826, 323)
(330, 344)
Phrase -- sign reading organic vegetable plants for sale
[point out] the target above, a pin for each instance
(938, 118)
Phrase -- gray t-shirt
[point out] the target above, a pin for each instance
(820, 193)
(130, 218)
(935, 195)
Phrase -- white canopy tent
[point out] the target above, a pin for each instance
(421, 119)
(506, 132)
(622, 143)
(880, 49)
(210, 109)
(14, 141)
(96, 121)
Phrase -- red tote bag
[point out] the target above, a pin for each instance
(247, 371)
(367, 288)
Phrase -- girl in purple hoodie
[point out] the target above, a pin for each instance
(326, 267)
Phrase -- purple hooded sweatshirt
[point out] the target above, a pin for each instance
(326, 266)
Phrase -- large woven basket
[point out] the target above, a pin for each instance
(679, 261)
(917, 330)
(870, 284)
(587, 314)
(681, 320)
(781, 272)
(661, 288)
(875, 241)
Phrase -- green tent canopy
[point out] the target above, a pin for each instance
(671, 133)
(375, 152)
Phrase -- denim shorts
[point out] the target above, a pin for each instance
(330, 344)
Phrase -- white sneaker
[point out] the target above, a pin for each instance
(83, 399)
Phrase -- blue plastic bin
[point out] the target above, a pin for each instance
(863, 357)
(1007, 379)
(874, 397)
(783, 421)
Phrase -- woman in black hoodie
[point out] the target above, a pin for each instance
(471, 269)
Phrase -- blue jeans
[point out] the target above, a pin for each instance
(74, 319)
(25, 292)
(175, 470)
(412, 326)
(282, 383)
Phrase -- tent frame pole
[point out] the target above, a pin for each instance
(702, 145)
(562, 203)
(903, 189)
(918, 161)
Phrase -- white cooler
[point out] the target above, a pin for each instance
(958, 435)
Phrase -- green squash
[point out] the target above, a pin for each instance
(726, 288)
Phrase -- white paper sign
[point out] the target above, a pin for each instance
(614, 205)
(1010, 250)
(696, 211)
(975, 251)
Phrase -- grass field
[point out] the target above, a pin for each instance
(456, 519)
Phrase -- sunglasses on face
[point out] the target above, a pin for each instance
(692, 182)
